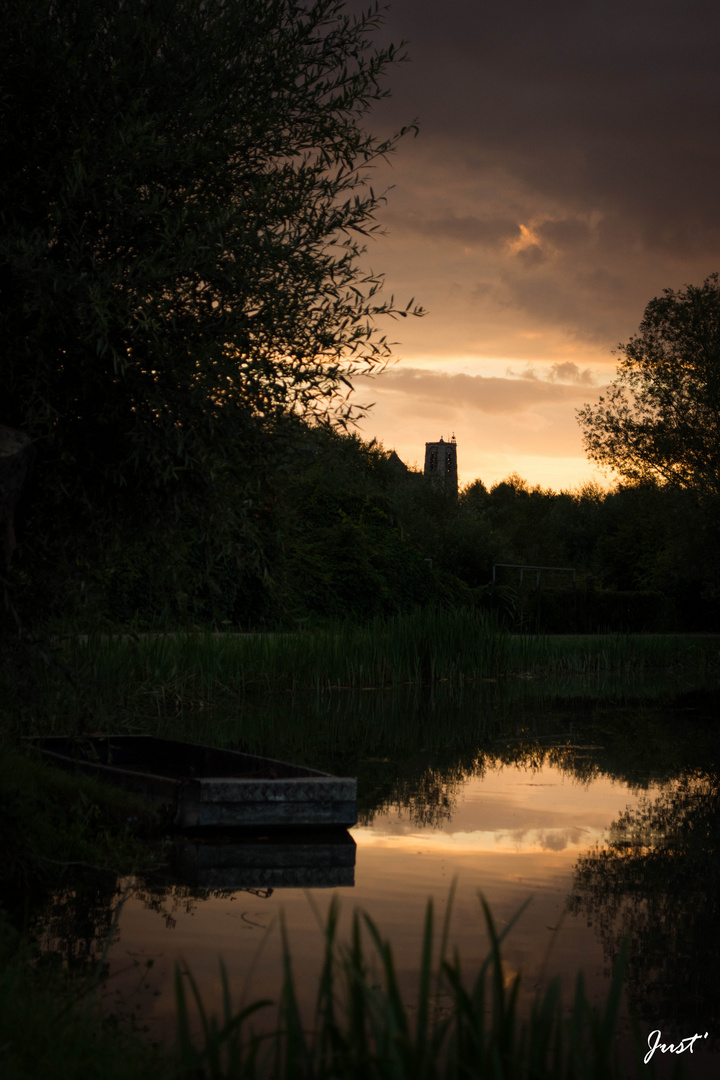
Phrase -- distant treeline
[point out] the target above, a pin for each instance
(349, 533)
(369, 537)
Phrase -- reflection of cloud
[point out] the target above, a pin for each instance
(387, 832)
(557, 840)
(545, 839)
(507, 811)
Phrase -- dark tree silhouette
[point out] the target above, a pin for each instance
(185, 200)
(660, 418)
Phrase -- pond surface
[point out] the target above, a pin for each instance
(605, 824)
(513, 835)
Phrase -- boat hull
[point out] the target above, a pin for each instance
(192, 786)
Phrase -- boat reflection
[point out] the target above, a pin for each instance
(271, 860)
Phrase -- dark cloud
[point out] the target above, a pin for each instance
(600, 281)
(568, 372)
(566, 172)
(468, 229)
(612, 106)
(566, 232)
(532, 255)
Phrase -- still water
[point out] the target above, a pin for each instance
(512, 835)
(605, 825)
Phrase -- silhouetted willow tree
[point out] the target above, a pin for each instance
(659, 418)
(184, 201)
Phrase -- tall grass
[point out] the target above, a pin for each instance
(173, 672)
(362, 1029)
(619, 653)
(104, 678)
(455, 1028)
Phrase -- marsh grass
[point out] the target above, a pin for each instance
(362, 1029)
(115, 679)
(622, 654)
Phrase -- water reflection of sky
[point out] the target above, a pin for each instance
(511, 810)
(513, 835)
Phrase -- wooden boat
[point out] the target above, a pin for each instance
(193, 786)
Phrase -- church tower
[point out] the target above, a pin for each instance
(441, 463)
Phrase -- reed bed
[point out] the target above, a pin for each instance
(362, 1029)
(617, 653)
(168, 674)
(202, 668)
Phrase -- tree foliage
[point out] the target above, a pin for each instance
(185, 203)
(660, 418)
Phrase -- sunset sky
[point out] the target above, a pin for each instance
(567, 171)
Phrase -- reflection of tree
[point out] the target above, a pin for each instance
(426, 794)
(657, 881)
(78, 921)
(431, 798)
(80, 924)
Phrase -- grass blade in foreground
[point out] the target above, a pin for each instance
(363, 1031)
